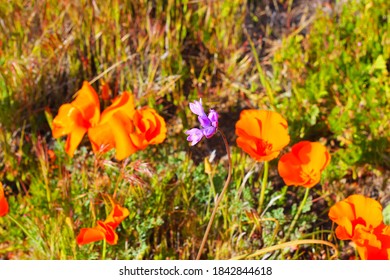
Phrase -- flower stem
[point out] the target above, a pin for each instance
(292, 225)
(219, 199)
(263, 186)
(104, 249)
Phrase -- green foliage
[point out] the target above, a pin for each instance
(386, 215)
(331, 82)
(337, 83)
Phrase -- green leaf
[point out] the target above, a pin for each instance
(386, 215)
(379, 64)
(306, 208)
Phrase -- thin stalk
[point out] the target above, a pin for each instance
(263, 187)
(22, 228)
(288, 244)
(112, 67)
(292, 225)
(263, 77)
(212, 192)
(219, 199)
(104, 249)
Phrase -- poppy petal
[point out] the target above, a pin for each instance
(274, 130)
(87, 102)
(289, 169)
(74, 139)
(4, 208)
(342, 213)
(109, 233)
(368, 209)
(67, 119)
(116, 216)
(89, 235)
(101, 138)
(249, 124)
(120, 131)
(124, 103)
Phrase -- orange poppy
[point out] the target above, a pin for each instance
(262, 134)
(373, 244)
(104, 230)
(120, 126)
(355, 210)
(304, 164)
(114, 128)
(359, 219)
(4, 209)
(97, 233)
(75, 118)
(117, 215)
(148, 128)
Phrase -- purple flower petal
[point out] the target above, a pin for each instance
(209, 131)
(209, 124)
(197, 108)
(213, 117)
(194, 135)
(204, 121)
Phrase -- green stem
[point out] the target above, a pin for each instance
(292, 225)
(104, 249)
(48, 193)
(263, 187)
(219, 199)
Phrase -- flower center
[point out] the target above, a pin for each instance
(309, 175)
(263, 147)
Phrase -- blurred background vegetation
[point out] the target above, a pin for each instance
(323, 65)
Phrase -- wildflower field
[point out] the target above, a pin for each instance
(195, 129)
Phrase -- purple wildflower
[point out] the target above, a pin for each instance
(194, 135)
(209, 124)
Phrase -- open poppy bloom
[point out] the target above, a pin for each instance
(100, 232)
(148, 128)
(304, 164)
(75, 118)
(359, 219)
(262, 134)
(114, 127)
(3, 202)
(104, 230)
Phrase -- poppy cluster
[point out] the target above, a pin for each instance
(3, 202)
(263, 134)
(360, 219)
(104, 230)
(119, 126)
